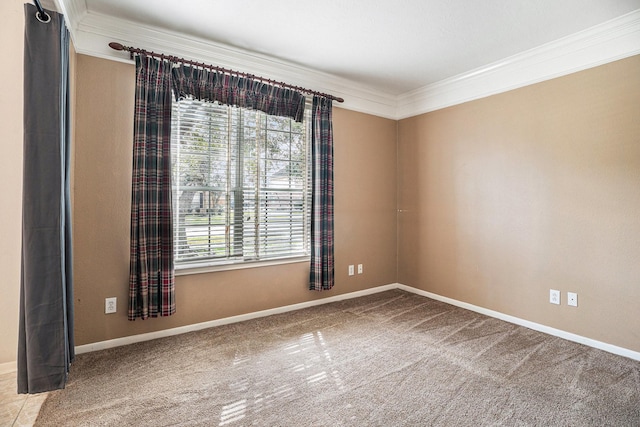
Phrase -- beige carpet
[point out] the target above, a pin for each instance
(389, 359)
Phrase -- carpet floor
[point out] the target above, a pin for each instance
(388, 359)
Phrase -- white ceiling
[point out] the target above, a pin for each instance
(390, 47)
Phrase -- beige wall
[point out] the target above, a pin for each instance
(506, 197)
(12, 32)
(502, 199)
(365, 217)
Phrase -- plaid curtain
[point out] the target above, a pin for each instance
(226, 89)
(322, 268)
(151, 275)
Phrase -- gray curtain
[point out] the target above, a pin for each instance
(45, 341)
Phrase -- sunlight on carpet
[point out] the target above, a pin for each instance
(392, 359)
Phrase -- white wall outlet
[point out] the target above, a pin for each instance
(554, 296)
(572, 299)
(359, 268)
(351, 273)
(110, 305)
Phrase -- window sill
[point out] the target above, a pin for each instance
(199, 268)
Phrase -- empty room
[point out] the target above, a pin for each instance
(296, 213)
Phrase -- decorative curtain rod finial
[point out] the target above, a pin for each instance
(116, 46)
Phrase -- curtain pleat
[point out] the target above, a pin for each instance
(151, 276)
(151, 284)
(322, 263)
(226, 89)
(45, 336)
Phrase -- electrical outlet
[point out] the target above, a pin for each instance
(554, 296)
(110, 305)
(572, 299)
(351, 273)
(359, 268)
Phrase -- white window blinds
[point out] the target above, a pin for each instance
(241, 184)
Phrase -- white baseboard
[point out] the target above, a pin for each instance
(218, 322)
(621, 351)
(8, 367)
(117, 342)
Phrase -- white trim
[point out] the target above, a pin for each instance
(204, 267)
(95, 31)
(117, 342)
(610, 41)
(621, 351)
(73, 12)
(8, 367)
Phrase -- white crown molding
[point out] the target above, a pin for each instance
(95, 31)
(610, 41)
(73, 12)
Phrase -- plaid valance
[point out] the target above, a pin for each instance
(238, 91)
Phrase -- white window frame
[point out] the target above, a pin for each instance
(234, 129)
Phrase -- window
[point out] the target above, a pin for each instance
(241, 185)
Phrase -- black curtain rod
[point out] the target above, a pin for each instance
(41, 14)
(132, 50)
